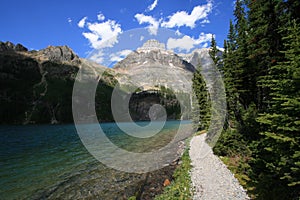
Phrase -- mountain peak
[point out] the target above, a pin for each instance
(152, 45)
(9, 46)
(59, 53)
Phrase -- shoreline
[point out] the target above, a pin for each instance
(156, 181)
(72, 123)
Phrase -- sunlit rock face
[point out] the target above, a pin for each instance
(152, 45)
(152, 65)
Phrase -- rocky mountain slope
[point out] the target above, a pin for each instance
(152, 65)
(36, 86)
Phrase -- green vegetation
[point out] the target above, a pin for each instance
(180, 188)
(132, 198)
(214, 52)
(260, 64)
(201, 111)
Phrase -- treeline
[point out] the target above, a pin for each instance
(260, 66)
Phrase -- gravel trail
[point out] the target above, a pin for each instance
(210, 177)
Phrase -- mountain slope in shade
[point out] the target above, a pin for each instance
(36, 86)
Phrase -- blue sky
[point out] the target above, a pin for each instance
(97, 24)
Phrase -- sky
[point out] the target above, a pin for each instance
(98, 25)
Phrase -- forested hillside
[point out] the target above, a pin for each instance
(260, 65)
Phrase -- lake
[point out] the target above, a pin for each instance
(50, 161)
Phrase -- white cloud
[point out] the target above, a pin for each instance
(142, 38)
(187, 43)
(178, 33)
(206, 21)
(205, 45)
(93, 38)
(104, 34)
(220, 48)
(120, 55)
(204, 37)
(153, 23)
(81, 23)
(182, 18)
(70, 20)
(97, 57)
(100, 17)
(152, 6)
(184, 43)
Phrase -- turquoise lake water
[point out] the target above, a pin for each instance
(50, 161)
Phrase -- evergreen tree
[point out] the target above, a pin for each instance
(244, 72)
(261, 69)
(293, 7)
(231, 43)
(213, 52)
(264, 44)
(281, 124)
(224, 56)
(232, 76)
(202, 102)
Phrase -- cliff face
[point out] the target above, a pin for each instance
(151, 68)
(140, 104)
(18, 76)
(153, 53)
(36, 86)
(153, 65)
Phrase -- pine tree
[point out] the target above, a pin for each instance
(293, 7)
(261, 69)
(231, 44)
(264, 44)
(213, 52)
(281, 124)
(224, 56)
(202, 102)
(232, 75)
(244, 71)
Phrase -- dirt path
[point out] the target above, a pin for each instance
(210, 177)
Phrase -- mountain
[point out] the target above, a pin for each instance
(141, 68)
(37, 86)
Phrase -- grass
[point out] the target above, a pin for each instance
(239, 166)
(180, 188)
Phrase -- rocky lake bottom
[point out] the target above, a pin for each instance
(50, 162)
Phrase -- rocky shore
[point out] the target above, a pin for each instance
(100, 182)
